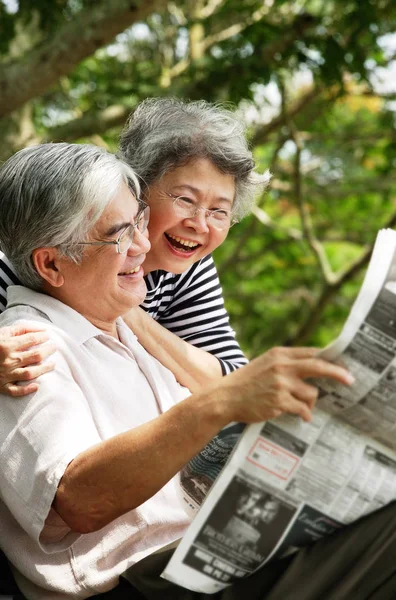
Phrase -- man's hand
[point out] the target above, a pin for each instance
(22, 352)
(274, 383)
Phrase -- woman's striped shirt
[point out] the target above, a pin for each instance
(190, 305)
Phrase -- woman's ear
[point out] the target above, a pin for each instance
(48, 265)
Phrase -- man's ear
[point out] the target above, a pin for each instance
(48, 265)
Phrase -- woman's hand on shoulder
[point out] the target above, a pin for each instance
(23, 349)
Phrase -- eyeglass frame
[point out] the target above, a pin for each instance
(208, 212)
(144, 210)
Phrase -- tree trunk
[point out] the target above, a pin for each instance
(95, 27)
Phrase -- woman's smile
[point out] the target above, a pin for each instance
(182, 246)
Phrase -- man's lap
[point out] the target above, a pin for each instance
(355, 563)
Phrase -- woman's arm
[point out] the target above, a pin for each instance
(192, 335)
(192, 307)
(192, 367)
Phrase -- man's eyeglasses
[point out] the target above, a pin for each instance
(125, 239)
(219, 218)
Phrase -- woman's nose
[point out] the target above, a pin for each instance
(198, 221)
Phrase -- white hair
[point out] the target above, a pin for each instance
(52, 195)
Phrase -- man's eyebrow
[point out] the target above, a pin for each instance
(117, 228)
(198, 192)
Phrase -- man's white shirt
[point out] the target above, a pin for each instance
(100, 387)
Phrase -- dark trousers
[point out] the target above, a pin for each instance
(357, 562)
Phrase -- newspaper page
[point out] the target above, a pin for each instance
(287, 482)
(198, 476)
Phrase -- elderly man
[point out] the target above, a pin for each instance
(89, 461)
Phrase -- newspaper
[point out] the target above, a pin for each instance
(288, 482)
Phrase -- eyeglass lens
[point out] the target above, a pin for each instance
(218, 218)
(126, 239)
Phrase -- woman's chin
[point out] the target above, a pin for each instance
(170, 263)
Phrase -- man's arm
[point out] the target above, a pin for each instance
(119, 474)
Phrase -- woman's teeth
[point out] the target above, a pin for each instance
(183, 242)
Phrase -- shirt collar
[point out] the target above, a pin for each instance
(61, 315)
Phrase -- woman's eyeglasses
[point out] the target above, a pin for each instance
(219, 218)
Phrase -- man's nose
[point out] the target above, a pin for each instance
(141, 244)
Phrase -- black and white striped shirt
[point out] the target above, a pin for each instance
(190, 305)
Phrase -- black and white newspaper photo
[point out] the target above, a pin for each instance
(198, 476)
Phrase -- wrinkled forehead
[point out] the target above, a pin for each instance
(200, 177)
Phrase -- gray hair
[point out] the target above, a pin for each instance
(52, 195)
(165, 133)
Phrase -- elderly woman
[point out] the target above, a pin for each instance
(197, 176)
(88, 462)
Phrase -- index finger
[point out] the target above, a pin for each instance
(300, 352)
(24, 328)
(317, 367)
(27, 340)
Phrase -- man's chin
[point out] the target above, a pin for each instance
(138, 296)
(133, 291)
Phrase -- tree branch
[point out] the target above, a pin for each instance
(330, 289)
(96, 26)
(89, 124)
(307, 227)
(210, 8)
(264, 218)
(295, 31)
(261, 134)
(236, 28)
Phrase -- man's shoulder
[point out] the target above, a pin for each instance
(16, 314)
(23, 314)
